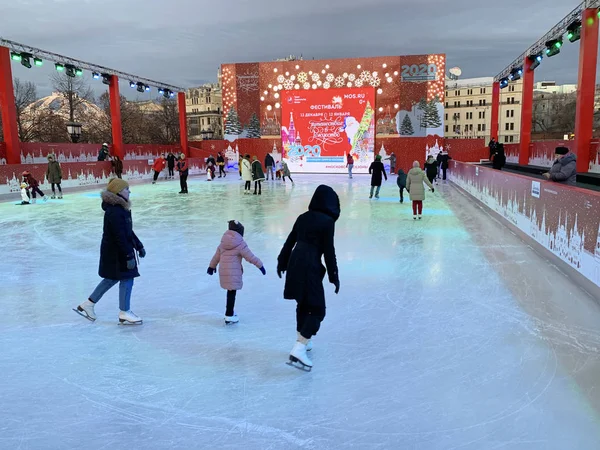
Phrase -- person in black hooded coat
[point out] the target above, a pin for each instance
(311, 238)
(498, 158)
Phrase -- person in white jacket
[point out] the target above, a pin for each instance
(247, 174)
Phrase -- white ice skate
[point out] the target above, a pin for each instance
(230, 320)
(414, 217)
(420, 216)
(86, 309)
(129, 318)
(299, 359)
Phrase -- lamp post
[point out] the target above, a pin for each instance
(74, 130)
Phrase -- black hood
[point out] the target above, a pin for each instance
(325, 200)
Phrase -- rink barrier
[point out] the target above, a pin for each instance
(562, 220)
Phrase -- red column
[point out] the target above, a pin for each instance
(495, 110)
(586, 88)
(9, 110)
(183, 132)
(526, 113)
(115, 117)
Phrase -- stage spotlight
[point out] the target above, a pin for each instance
(95, 75)
(147, 88)
(131, 84)
(141, 87)
(73, 71)
(171, 94)
(574, 31)
(553, 47)
(106, 78)
(15, 56)
(535, 60)
(26, 59)
(516, 74)
(503, 83)
(59, 67)
(38, 62)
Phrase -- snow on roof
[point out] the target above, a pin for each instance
(482, 81)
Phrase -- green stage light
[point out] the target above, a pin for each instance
(574, 31)
(15, 56)
(38, 62)
(79, 72)
(553, 47)
(59, 67)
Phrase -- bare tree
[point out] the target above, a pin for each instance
(163, 126)
(25, 96)
(75, 90)
(554, 114)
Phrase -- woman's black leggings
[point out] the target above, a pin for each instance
(257, 185)
(171, 172)
(229, 311)
(222, 170)
(58, 186)
(183, 181)
(36, 190)
(248, 185)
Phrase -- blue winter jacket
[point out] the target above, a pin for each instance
(401, 180)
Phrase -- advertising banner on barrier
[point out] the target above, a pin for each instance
(321, 127)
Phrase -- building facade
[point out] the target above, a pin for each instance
(204, 107)
(468, 110)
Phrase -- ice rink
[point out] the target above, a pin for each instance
(448, 333)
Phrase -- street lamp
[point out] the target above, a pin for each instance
(74, 130)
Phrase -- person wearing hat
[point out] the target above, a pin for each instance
(54, 176)
(229, 255)
(103, 153)
(377, 170)
(564, 169)
(118, 263)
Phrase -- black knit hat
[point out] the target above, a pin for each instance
(561, 151)
(234, 225)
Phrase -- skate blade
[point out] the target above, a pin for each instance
(83, 314)
(128, 324)
(296, 363)
(231, 323)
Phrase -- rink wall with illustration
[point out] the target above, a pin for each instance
(564, 220)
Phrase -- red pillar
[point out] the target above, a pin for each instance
(9, 110)
(586, 88)
(183, 132)
(115, 117)
(526, 113)
(495, 110)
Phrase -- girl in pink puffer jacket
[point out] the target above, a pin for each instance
(229, 254)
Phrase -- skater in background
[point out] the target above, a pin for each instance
(492, 146)
(170, 165)
(240, 159)
(246, 166)
(24, 194)
(498, 158)
(34, 186)
(118, 249)
(431, 168)
(158, 166)
(211, 160)
(311, 238)
(183, 169)
(258, 176)
(414, 185)
(401, 182)
(210, 172)
(117, 166)
(229, 255)
(392, 159)
(349, 164)
(376, 170)
(269, 166)
(103, 153)
(439, 166)
(285, 171)
(54, 176)
(445, 158)
(221, 164)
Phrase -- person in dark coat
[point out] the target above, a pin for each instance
(171, 159)
(312, 237)
(54, 176)
(439, 164)
(431, 168)
(564, 169)
(492, 146)
(376, 170)
(445, 158)
(269, 165)
(258, 176)
(211, 160)
(401, 182)
(103, 153)
(118, 263)
(183, 169)
(498, 158)
(221, 164)
(117, 165)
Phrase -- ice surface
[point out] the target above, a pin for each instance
(448, 333)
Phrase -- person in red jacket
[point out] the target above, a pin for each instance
(158, 166)
(182, 168)
(34, 186)
(349, 164)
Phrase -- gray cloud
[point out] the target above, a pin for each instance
(184, 41)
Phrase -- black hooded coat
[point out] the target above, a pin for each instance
(310, 239)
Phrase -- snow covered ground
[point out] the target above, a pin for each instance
(447, 333)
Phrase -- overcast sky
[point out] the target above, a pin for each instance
(184, 41)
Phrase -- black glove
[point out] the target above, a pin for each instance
(142, 252)
(131, 264)
(210, 271)
(280, 271)
(336, 283)
(432, 190)
(262, 269)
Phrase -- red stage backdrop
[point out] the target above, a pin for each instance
(563, 219)
(320, 127)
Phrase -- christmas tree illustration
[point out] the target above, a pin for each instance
(232, 124)
(254, 127)
(432, 116)
(406, 128)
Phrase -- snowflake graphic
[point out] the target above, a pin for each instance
(339, 81)
(352, 77)
(280, 79)
(375, 81)
(302, 77)
(315, 77)
(358, 83)
(330, 77)
(326, 85)
(306, 85)
(288, 84)
(365, 75)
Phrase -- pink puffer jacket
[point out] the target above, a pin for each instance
(229, 254)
